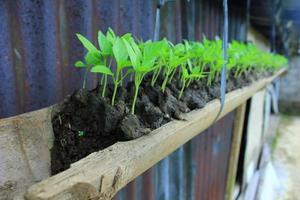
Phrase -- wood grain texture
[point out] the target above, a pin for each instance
(25, 141)
(235, 150)
(101, 174)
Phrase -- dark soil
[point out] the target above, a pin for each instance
(87, 123)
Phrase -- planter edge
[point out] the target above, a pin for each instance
(101, 174)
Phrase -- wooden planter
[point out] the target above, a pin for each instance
(101, 174)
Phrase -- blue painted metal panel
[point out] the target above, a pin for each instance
(38, 48)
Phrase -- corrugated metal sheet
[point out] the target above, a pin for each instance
(197, 170)
(38, 48)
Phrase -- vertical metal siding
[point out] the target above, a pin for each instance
(197, 170)
(38, 48)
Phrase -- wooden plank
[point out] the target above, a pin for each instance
(101, 174)
(254, 137)
(25, 141)
(235, 150)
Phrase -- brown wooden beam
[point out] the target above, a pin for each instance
(235, 150)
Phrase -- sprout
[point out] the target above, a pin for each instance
(174, 59)
(191, 60)
(143, 61)
(188, 74)
(121, 57)
(92, 58)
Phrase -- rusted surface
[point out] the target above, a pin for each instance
(197, 170)
(38, 48)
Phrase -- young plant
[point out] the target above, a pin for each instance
(213, 56)
(105, 44)
(104, 71)
(175, 58)
(92, 58)
(121, 57)
(143, 61)
(188, 74)
(161, 61)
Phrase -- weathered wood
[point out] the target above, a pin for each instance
(101, 174)
(25, 141)
(235, 150)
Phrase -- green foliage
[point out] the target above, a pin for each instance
(142, 59)
(92, 57)
(121, 58)
(191, 61)
(244, 57)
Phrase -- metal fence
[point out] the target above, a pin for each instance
(38, 49)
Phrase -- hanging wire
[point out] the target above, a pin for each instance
(160, 4)
(224, 47)
(157, 20)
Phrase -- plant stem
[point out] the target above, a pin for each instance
(84, 77)
(209, 79)
(104, 86)
(181, 91)
(121, 83)
(116, 81)
(163, 87)
(136, 90)
(236, 74)
(171, 77)
(155, 76)
(105, 79)
(189, 82)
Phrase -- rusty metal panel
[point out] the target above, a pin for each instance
(38, 48)
(197, 170)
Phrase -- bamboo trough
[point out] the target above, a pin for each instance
(102, 174)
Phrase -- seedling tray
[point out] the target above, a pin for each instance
(102, 174)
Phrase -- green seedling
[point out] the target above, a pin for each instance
(212, 55)
(92, 58)
(143, 59)
(105, 44)
(121, 57)
(192, 61)
(188, 74)
(161, 61)
(176, 58)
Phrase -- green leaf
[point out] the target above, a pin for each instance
(101, 69)
(132, 54)
(92, 58)
(104, 44)
(86, 43)
(148, 63)
(127, 36)
(185, 73)
(79, 64)
(152, 50)
(143, 69)
(120, 53)
(111, 36)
